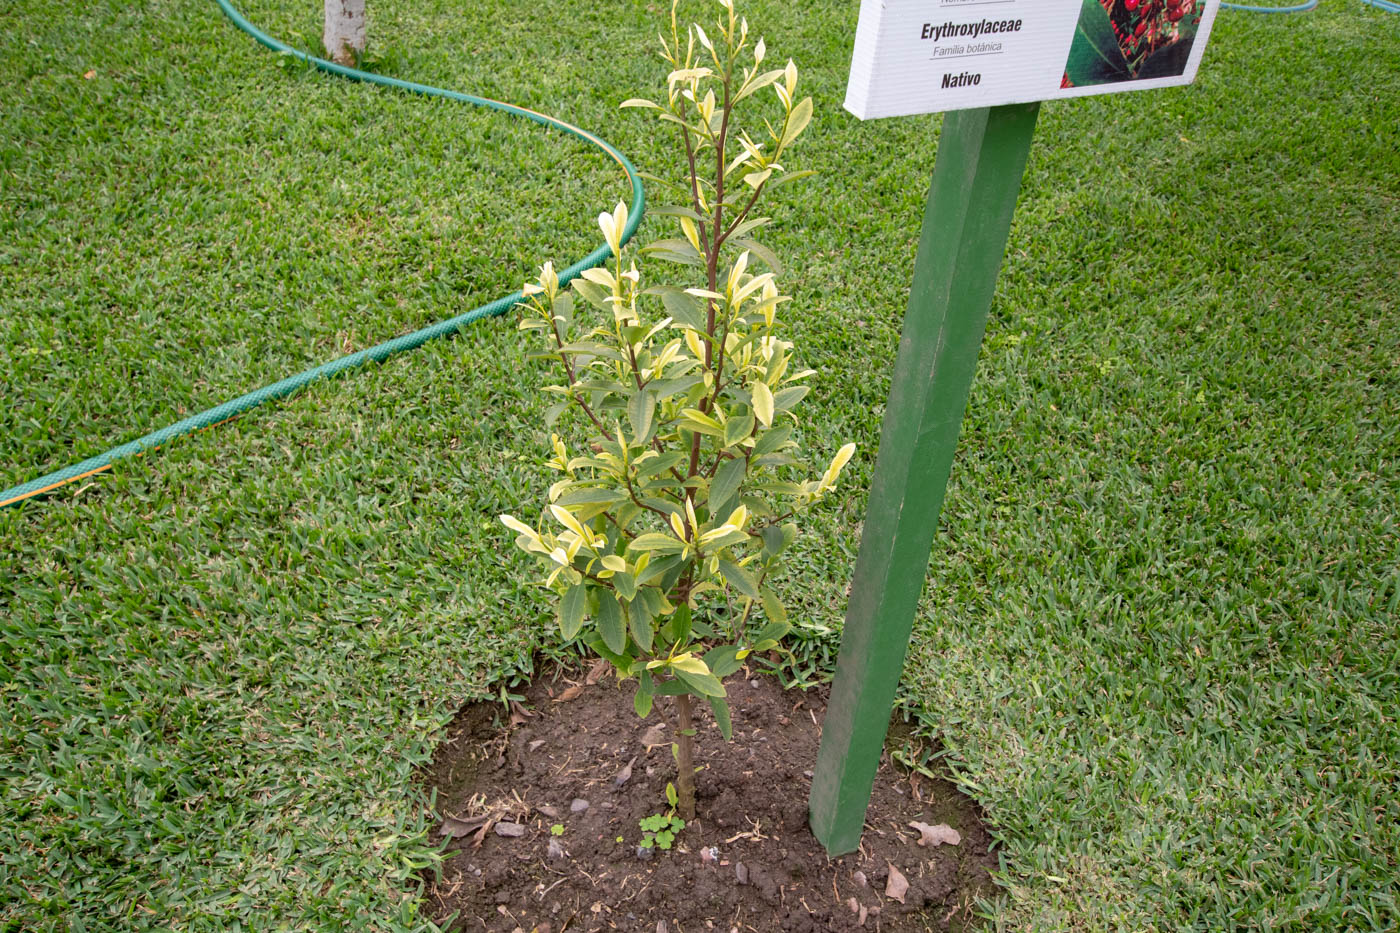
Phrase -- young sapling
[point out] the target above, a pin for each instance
(679, 488)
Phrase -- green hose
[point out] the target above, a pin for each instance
(377, 354)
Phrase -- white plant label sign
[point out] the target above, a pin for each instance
(926, 56)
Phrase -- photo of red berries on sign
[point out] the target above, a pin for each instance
(1131, 40)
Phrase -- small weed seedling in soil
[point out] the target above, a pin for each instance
(660, 829)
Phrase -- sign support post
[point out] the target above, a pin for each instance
(977, 174)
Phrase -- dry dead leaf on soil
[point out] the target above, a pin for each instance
(935, 836)
(598, 671)
(569, 694)
(456, 828)
(897, 886)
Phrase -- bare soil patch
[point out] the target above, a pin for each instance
(531, 856)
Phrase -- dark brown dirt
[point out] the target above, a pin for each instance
(763, 871)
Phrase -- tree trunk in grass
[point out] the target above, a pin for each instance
(345, 30)
(685, 759)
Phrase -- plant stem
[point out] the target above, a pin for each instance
(685, 759)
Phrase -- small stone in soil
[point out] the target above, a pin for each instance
(551, 812)
(741, 872)
(556, 851)
(513, 830)
(578, 806)
(644, 853)
(860, 879)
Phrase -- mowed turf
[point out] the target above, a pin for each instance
(1158, 641)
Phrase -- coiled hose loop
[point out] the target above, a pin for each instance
(376, 354)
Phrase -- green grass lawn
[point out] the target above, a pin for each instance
(1159, 639)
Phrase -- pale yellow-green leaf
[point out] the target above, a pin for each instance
(690, 664)
(564, 517)
(763, 403)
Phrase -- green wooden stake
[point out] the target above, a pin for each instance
(977, 175)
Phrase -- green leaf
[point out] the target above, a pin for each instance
(771, 441)
(728, 539)
(785, 178)
(773, 631)
(620, 660)
(684, 309)
(739, 578)
(595, 295)
(705, 685)
(786, 398)
(679, 246)
(758, 249)
(610, 624)
(642, 699)
(689, 258)
(590, 496)
(723, 660)
(680, 385)
(639, 622)
(571, 610)
(672, 210)
(754, 179)
(563, 306)
(659, 568)
(696, 420)
(773, 541)
(680, 623)
(552, 413)
(625, 584)
(656, 542)
(672, 688)
(738, 427)
(720, 707)
(726, 484)
(772, 606)
(641, 412)
(661, 463)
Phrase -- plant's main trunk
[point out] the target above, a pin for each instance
(685, 759)
(344, 37)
